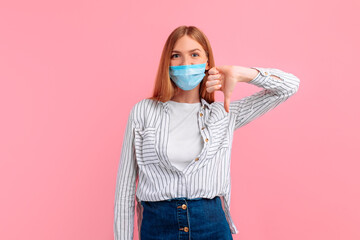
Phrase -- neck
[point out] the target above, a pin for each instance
(191, 96)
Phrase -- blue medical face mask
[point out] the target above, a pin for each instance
(187, 77)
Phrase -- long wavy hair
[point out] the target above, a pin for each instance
(165, 88)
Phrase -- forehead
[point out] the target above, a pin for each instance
(186, 43)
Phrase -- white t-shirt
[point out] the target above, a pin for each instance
(185, 141)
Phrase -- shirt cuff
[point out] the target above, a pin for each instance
(261, 77)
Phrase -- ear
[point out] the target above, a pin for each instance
(207, 65)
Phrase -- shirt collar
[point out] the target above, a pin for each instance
(204, 103)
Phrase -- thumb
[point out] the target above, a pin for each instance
(227, 103)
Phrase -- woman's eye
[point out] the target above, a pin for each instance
(176, 55)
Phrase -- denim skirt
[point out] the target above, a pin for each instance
(183, 218)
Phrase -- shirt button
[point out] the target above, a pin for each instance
(186, 229)
(206, 140)
(202, 128)
(196, 159)
(201, 114)
(266, 73)
(183, 206)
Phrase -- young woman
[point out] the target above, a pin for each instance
(177, 143)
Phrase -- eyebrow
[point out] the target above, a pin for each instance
(189, 51)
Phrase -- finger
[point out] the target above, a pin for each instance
(213, 70)
(216, 87)
(214, 77)
(212, 83)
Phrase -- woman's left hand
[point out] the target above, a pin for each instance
(223, 78)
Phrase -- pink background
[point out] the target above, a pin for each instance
(70, 72)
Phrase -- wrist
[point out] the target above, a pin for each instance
(245, 74)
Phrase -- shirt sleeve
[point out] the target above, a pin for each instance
(274, 92)
(127, 174)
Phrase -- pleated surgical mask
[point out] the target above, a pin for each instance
(187, 77)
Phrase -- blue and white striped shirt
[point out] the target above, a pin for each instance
(144, 157)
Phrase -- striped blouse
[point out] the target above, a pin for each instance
(144, 159)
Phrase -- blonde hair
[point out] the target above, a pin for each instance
(165, 88)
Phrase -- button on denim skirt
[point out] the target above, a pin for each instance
(183, 218)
